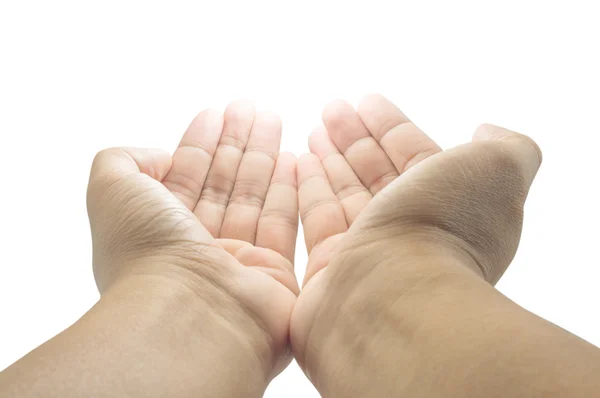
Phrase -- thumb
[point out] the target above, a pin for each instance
(122, 180)
(522, 148)
(471, 196)
(115, 163)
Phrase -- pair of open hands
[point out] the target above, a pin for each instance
(220, 216)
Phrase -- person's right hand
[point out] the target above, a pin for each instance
(354, 156)
(460, 208)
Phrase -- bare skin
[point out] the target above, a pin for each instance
(398, 299)
(193, 258)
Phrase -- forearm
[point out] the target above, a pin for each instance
(147, 338)
(425, 326)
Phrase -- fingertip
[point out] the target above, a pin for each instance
(265, 134)
(204, 131)
(307, 158)
(491, 132)
(317, 132)
(208, 113)
(487, 131)
(336, 110)
(163, 161)
(285, 170)
(268, 126)
(316, 139)
(288, 157)
(240, 109)
(287, 162)
(120, 162)
(369, 101)
(152, 161)
(269, 117)
(524, 148)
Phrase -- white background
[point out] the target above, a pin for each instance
(79, 76)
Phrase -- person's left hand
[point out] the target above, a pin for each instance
(228, 171)
(223, 207)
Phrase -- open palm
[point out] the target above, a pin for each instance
(228, 171)
(464, 204)
(353, 157)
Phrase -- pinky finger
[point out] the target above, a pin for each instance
(278, 223)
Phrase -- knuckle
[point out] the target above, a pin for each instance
(249, 192)
(280, 216)
(217, 190)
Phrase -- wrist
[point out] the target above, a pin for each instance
(385, 294)
(191, 328)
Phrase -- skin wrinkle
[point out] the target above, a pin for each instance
(348, 305)
(232, 142)
(200, 148)
(319, 314)
(416, 157)
(276, 214)
(189, 285)
(204, 263)
(124, 223)
(187, 191)
(381, 180)
(260, 151)
(392, 126)
(309, 210)
(340, 192)
(217, 194)
(443, 229)
(180, 255)
(109, 178)
(248, 199)
(348, 190)
(381, 318)
(283, 184)
(356, 143)
(479, 236)
(146, 208)
(255, 197)
(317, 176)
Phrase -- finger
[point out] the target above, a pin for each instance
(345, 184)
(193, 157)
(252, 256)
(232, 246)
(278, 223)
(321, 256)
(321, 212)
(523, 149)
(210, 210)
(253, 179)
(115, 163)
(363, 153)
(509, 162)
(404, 143)
(277, 267)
